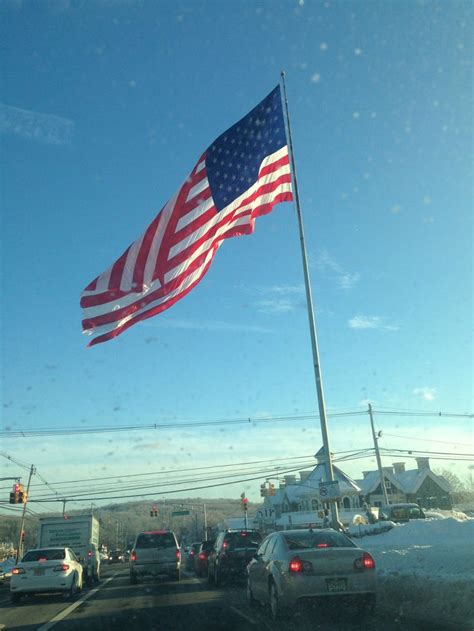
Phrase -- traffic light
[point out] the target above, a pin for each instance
(154, 512)
(23, 536)
(271, 489)
(244, 501)
(21, 494)
(15, 494)
(263, 490)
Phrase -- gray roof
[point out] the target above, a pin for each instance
(407, 482)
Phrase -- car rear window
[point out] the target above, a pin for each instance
(44, 555)
(207, 545)
(307, 540)
(156, 540)
(243, 540)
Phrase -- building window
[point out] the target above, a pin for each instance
(346, 502)
(314, 505)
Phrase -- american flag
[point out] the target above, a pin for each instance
(241, 176)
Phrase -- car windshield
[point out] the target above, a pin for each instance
(155, 540)
(301, 541)
(44, 555)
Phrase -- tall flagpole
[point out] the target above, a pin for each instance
(311, 318)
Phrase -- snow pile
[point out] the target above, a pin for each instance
(362, 529)
(426, 569)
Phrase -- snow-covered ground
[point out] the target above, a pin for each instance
(426, 568)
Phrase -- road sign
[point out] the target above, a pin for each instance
(329, 491)
(177, 513)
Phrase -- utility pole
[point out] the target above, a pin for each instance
(205, 522)
(19, 551)
(377, 455)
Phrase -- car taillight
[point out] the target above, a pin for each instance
(178, 555)
(18, 570)
(225, 545)
(323, 545)
(365, 562)
(297, 565)
(202, 556)
(89, 554)
(191, 554)
(133, 556)
(61, 568)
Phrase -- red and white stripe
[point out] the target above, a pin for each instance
(177, 248)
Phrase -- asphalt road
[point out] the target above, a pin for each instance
(160, 605)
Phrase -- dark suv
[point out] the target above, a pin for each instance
(155, 553)
(232, 552)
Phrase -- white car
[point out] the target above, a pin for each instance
(297, 566)
(46, 570)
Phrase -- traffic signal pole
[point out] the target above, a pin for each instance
(19, 551)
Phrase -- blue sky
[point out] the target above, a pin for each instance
(106, 107)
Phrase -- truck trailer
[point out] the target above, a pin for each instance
(78, 532)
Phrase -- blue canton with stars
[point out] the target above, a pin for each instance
(233, 160)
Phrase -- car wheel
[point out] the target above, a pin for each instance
(277, 611)
(250, 598)
(72, 591)
(176, 576)
(15, 598)
(217, 577)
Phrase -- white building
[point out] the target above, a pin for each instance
(297, 501)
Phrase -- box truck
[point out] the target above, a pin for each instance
(78, 532)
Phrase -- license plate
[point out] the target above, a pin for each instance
(39, 572)
(336, 584)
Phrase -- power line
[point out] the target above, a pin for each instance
(428, 440)
(68, 431)
(278, 418)
(174, 471)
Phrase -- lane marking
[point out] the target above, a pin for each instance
(65, 612)
(244, 616)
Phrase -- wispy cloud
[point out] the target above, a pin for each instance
(428, 394)
(30, 125)
(327, 265)
(275, 306)
(371, 322)
(280, 298)
(206, 325)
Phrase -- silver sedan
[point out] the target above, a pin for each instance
(296, 566)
